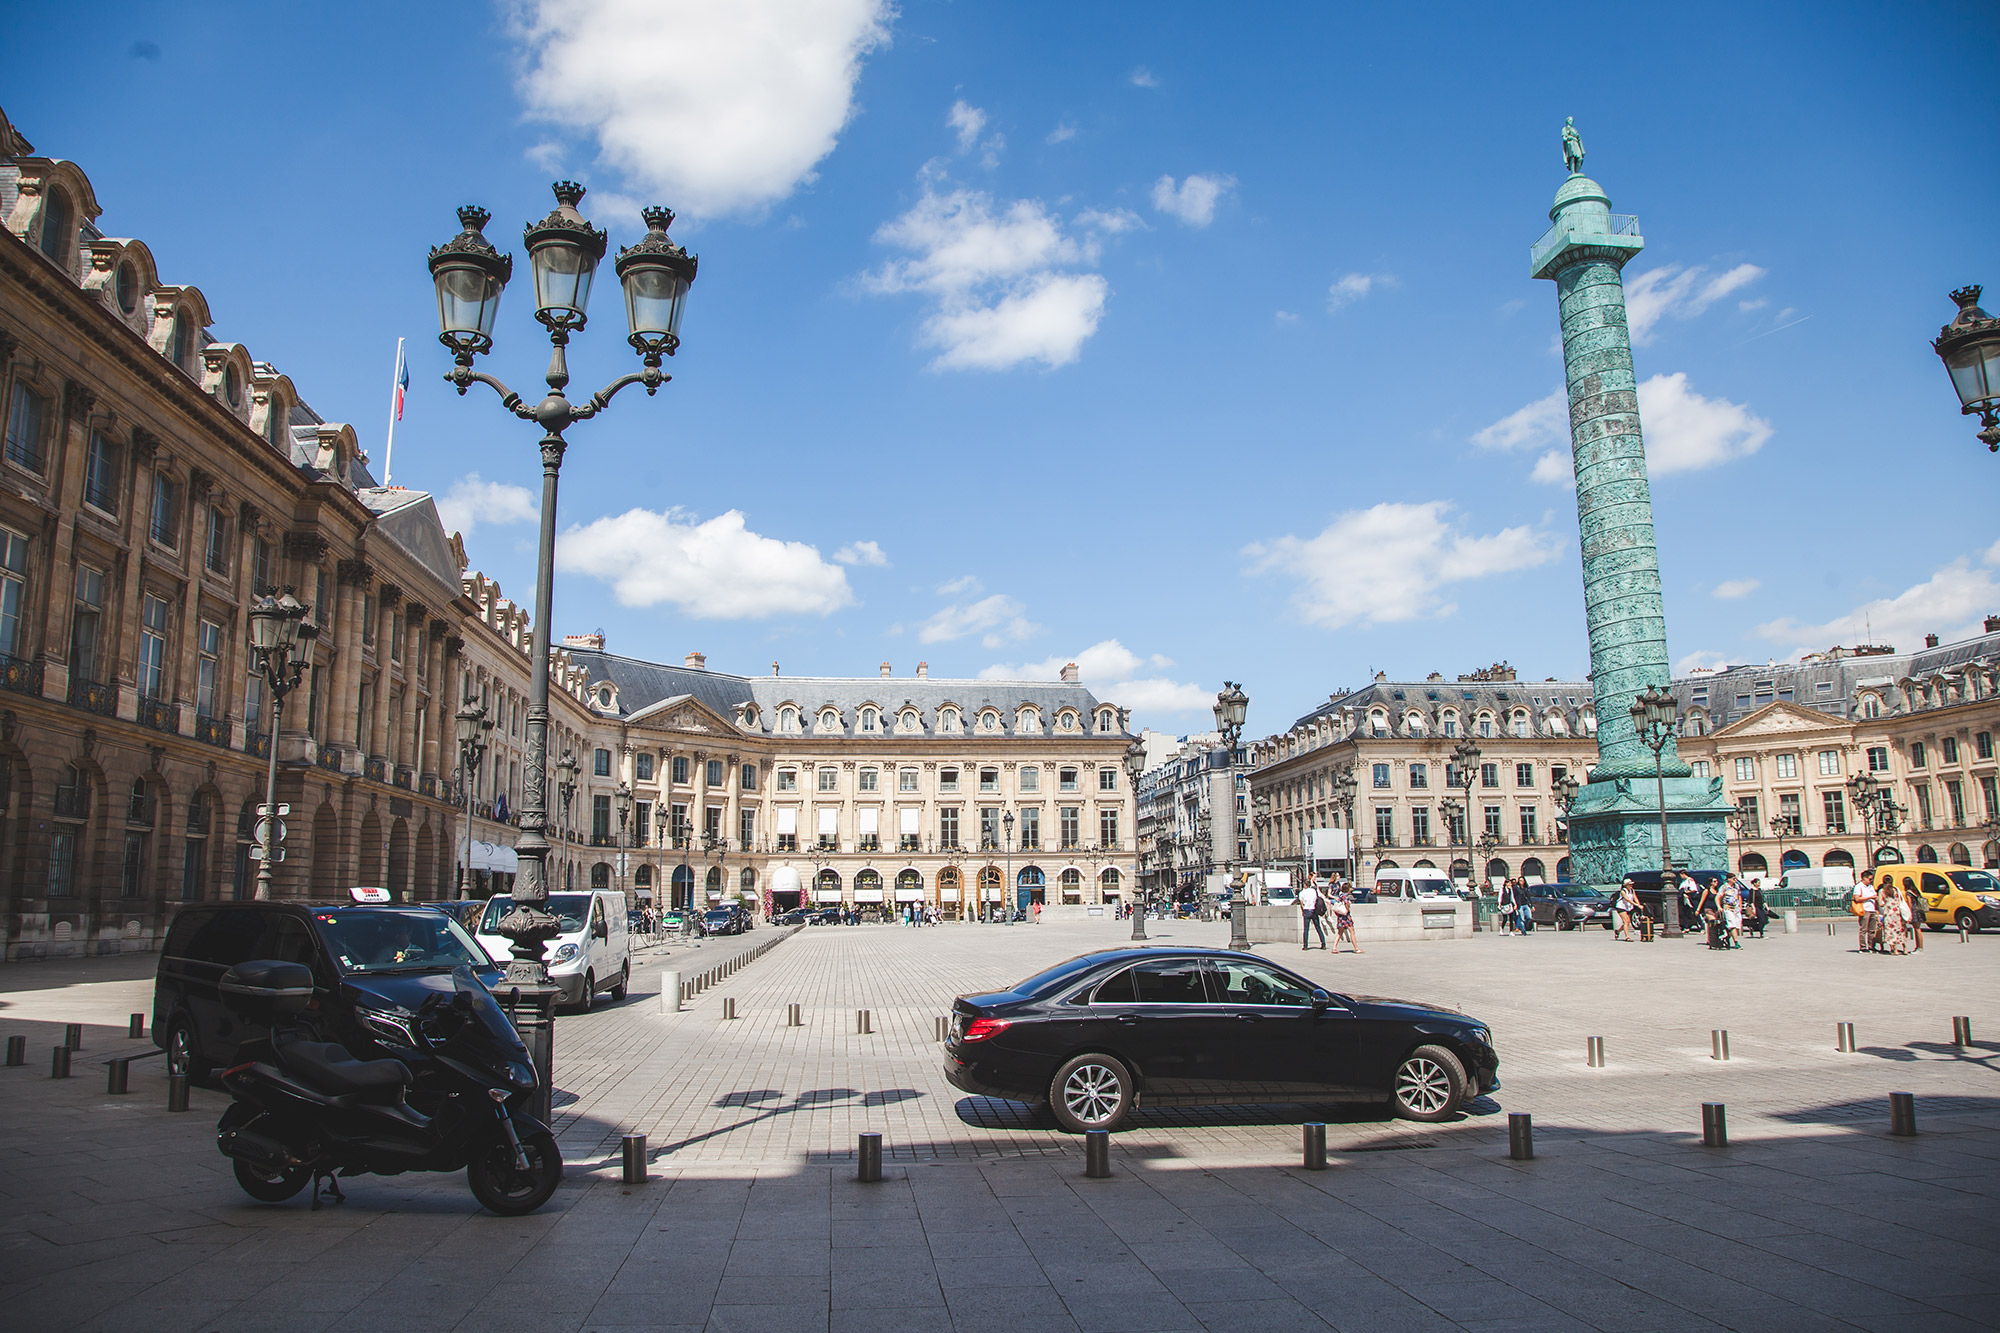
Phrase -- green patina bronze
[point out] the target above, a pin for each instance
(1614, 824)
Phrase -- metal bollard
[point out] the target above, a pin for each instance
(1520, 1136)
(1315, 1146)
(1714, 1126)
(177, 1092)
(942, 1028)
(1594, 1052)
(793, 1018)
(1791, 922)
(728, 1007)
(59, 1066)
(1843, 1038)
(670, 992)
(137, 1027)
(1903, 1114)
(1097, 1153)
(115, 1076)
(17, 1051)
(73, 1036)
(871, 1159)
(1964, 930)
(864, 1022)
(1719, 1044)
(635, 1159)
(1961, 1032)
(1829, 929)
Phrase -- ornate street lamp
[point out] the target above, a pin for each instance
(567, 769)
(1135, 768)
(1345, 785)
(1657, 720)
(1488, 844)
(1007, 893)
(1779, 827)
(470, 726)
(1969, 346)
(1465, 762)
(1566, 788)
(563, 251)
(1738, 820)
(280, 642)
(1232, 706)
(621, 803)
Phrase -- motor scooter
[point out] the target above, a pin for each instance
(306, 1110)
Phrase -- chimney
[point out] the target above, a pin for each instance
(1930, 640)
(1069, 673)
(774, 668)
(885, 670)
(695, 662)
(923, 670)
(1993, 624)
(594, 642)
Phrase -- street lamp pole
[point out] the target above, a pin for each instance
(1657, 720)
(1007, 893)
(1135, 768)
(1739, 823)
(1344, 787)
(469, 274)
(1232, 706)
(567, 769)
(281, 639)
(472, 726)
(1465, 758)
(1779, 827)
(1969, 346)
(621, 802)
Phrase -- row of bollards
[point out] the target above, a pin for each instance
(1718, 1038)
(676, 992)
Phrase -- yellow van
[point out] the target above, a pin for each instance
(1953, 895)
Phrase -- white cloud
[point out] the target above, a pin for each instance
(713, 570)
(471, 501)
(1680, 292)
(860, 553)
(1193, 201)
(1144, 78)
(997, 619)
(1700, 661)
(1351, 288)
(1113, 672)
(1685, 432)
(1735, 588)
(1116, 222)
(998, 278)
(714, 109)
(1285, 316)
(968, 121)
(963, 583)
(1952, 603)
(1392, 563)
(1062, 133)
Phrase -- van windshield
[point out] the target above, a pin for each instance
(570, 909)
(387, 939)
(1976, 881)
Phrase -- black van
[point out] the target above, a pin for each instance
(372, 967)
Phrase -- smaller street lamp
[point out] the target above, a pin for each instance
(621, 802)
(470, 728)
(281, 640)
(1135, 768)
(1969, 346)
(1780, 826)
(1345, 786)
(1657, 720)
(1739, 823)
(1232, 706)
(1007, 892)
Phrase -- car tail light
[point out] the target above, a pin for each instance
(979, 1029)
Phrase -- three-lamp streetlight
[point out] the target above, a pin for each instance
(1135, 768)
(1232, 706)
(1007, 894)
(567, 771)
(469, 274)
(281, 641)
(1969, 346)
(1880, 814)
(621, 805)
(1738, 820)
(1465, 767)
(470, 725)
(1657, 720)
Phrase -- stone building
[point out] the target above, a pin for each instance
(867, 792)
(1184, 848)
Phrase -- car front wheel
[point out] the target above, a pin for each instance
(624, 986)
(1967, 922)
(1430, 1084)
(1090, 1092)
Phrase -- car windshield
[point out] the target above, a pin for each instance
(1976, 881)
(570, 909)
(1571, 892)
(390, 939)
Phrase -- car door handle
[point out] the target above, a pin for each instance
(1128, 1018)
(1248, 1018)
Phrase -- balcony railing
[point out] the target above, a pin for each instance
(258, 744)
(20, 675)
(159, 715)
(139, 810)
(375, 769)
(429, 786)
(907, 843)
(603, 839)
(94, 697)
(198, 818)
(871, 842)
(212, 731)
(73, 802)
(827, 843)
(788, 842)
(406, 777)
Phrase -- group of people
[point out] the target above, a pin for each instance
(1515, 916)
(1316, 904)
(1892, 919)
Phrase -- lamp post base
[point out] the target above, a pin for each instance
(532, 1009)
(1239, 924)
(1139, 921)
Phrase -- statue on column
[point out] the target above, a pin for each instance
(1572, 146)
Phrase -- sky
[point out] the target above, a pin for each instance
(1188, 345)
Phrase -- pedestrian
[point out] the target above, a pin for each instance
(1862, 905)
(1311, 908)
(1914, 902)
(1731, 903)
(1524, 907)
(1622, 908)
(1891, 912)
(1343, 919)
(1506, 906)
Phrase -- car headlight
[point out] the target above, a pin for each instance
(1481, 1035)
(385, 1026)
(1989, 900)
(564, 953)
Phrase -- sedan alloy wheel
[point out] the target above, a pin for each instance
(1090, 1092)
(1430, 1083)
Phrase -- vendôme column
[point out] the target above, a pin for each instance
(1614, 825)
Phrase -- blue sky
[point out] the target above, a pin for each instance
(1190, 344)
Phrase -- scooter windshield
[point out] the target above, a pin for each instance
(392, 939)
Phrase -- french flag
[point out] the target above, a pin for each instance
(402, 378)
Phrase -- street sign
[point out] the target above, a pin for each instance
(264, 831)
(264, 811)
(257, 854)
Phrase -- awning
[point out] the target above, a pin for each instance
(491, 856)
(784, 880)
(826, 895)
(868, 895)
(948, 894)
(909, 895)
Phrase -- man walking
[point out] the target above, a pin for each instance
(1312, 908)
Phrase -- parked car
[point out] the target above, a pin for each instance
(722, 921)
(1103, 1033)
(1954, 896)
(1568, 906)
(795, 917)
(593, 951)
(465, 911)
(372, 966)
(1413, 884)
(825, 916)
(673, 919)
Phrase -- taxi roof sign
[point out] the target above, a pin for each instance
(365, 895)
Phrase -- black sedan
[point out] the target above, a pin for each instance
(1102, 1033)
(721, 921)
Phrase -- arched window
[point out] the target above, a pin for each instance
(1520, 724)
(1378, 722)
(58, 229)
(1110, 881)
(1072, 885)
(1107, 721)
(869, 719)
(948, 720)
(910, 721)
(1557, 725)
(277, 422)
(1450, 725)
(1485, 726)
(1029, 722)
(1413, 723)
(1870, 706)
(127, 288)
(180, 342)
(600, 875)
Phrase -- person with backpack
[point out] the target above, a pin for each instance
(1312, 910)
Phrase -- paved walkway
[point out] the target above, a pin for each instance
(115, 1214)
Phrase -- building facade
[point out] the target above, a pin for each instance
(1194, 817)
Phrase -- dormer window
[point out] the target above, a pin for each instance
(1066, 720)
(58, 229)
(1485, 726)
(1450, 725)
(829, 720)
(788, 719)
(1028, 723)
(909, 720)
(948, 721)
(1107, 721)
(1378, 723)
(180, 342)
(1521, 725)
(869, 719)
(127, 288)
(989, 721)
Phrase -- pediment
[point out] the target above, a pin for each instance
(1778, 719)
(685, 714)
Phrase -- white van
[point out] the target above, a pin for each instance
(1411, 885)
(593, 953)
(1824, 884)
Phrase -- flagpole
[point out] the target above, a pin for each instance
(395, 391)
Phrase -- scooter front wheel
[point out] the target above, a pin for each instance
(267, 1186)
(502, 1187)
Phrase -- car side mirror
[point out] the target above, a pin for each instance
(1321, 1001)
(602, 930)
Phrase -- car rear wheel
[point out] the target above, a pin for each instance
(1430, 1084)
(1966, 921)
(183, 1055)
(589, 996)
(624, 986)
(1090, 1092)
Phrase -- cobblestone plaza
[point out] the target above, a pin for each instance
(118, 1213)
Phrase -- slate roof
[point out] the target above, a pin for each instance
(1432, 697)
(1719, 692)
(642, 684)
(409, 519)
